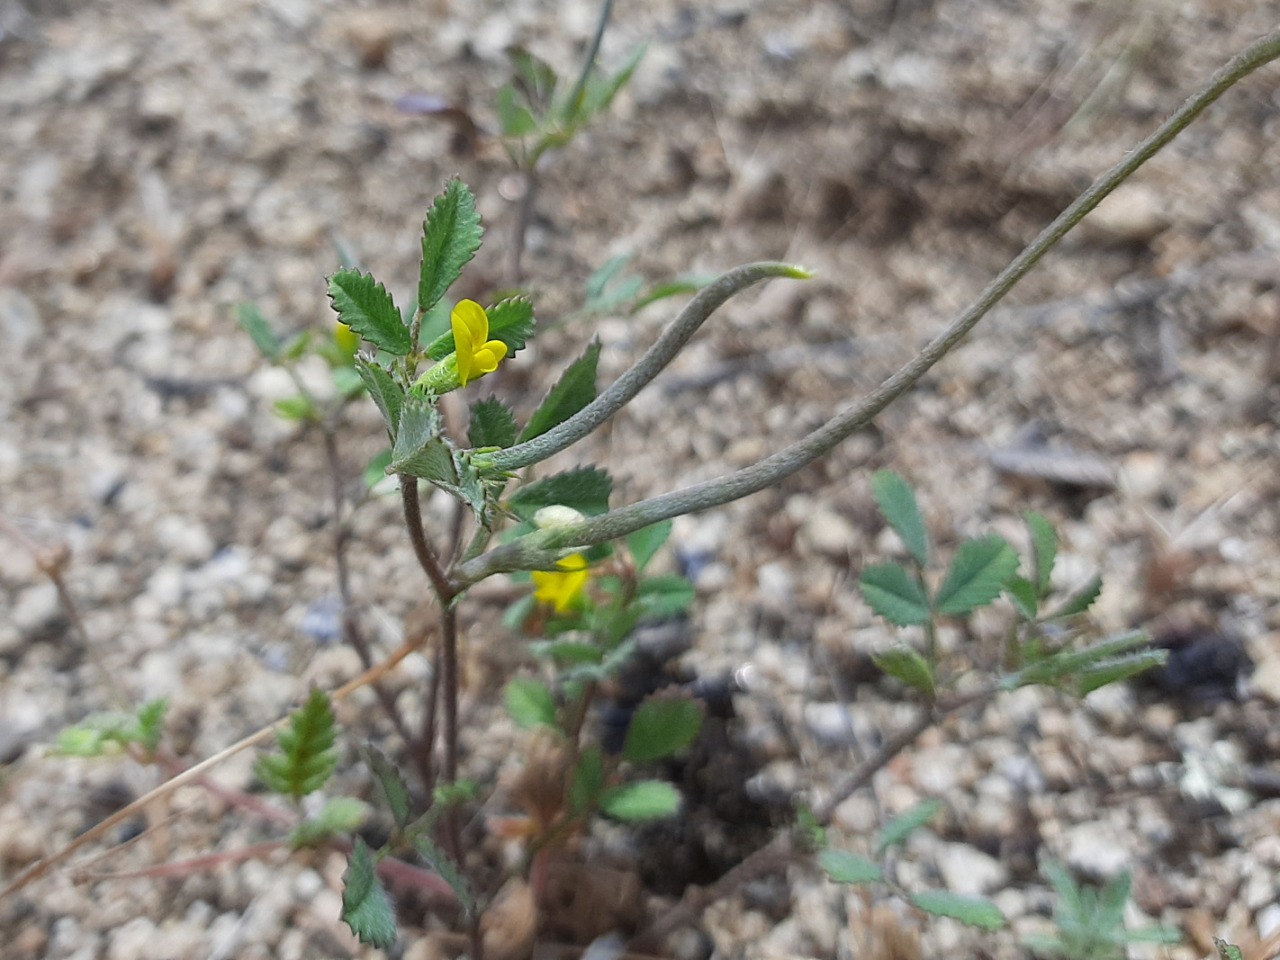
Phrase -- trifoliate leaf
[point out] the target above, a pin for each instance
(451, 236)
(364, 305)
(977, 575)
(660, 728)
(386, 393)
(904, 664)
(586, 490)
(307, 757)
(897, 502)
(894, 594)
(574, 390)
(644, 800)
(1044, 547)
(645, 542)
(902, 826)
(394, 790)
(844, 867)
(492, 424)
(1080, 601)
(366, 908)
(972, 911)
(255, 324)
(530, 703)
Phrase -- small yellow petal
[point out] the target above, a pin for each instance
(562, 590)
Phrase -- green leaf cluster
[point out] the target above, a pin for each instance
(306, 758)
(110, 733)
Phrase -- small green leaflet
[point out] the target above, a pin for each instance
(366, 908)
(530, 703)
(644, 800)
(514, 118)
(451, 236)
(255, 324)
(660, 728)
(418, 449)
(645, 542)
(972, 911)
(1080, 601)
(901, 827)
(1044, 547)
(1025, 596)
(904, 664)
(307, 757)
(977, 575)
(897, 502)
(894, 594)
(665, 596)
(364, 305)
(586, 489)
(386, 393)
(394, 790)
(492, 424)
(574, 390)
(844, 867)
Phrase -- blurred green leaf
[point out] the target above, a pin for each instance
(1044, 547)
(376, 470)
(1080, 601)
(339, 816)
(298, 407)
(844, 867)
(644, 800)
(588, 780)
(514, 119)
(972, 911)
(255, 324)
(530, 703)
(894, 594)
(391, 784)
(906, 665)
(665, 596)
(647, 541)
(366, 908)
(897, 502)
(660, 728)
(1025, 596)
(901, 827)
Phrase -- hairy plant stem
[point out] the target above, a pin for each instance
(542, 548)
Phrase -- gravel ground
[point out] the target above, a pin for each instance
(162, 162)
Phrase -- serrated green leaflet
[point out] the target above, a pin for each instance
(451, 236)
(644, 543)
(660, 728)
(972, 911)
(492, 424)
(574, 390)
(1024, 594)
(897, 502)
(255, 324)
(364, 305)
(418, 450)
(904, 664)
(894, 594)
(902, 826)
(386, 393)
(586, 489)
(1044, 547)
(844, 867)
(530, 703)
(307, 758)
(977, 575)
(393, 788)
(645, 800)
(366, 908)
(1080, 601)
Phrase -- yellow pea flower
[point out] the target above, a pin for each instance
(477, 354)
(562, 588)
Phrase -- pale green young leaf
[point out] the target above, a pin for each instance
(259, 329)
(844, 867)
(386, 393)
(586, 489)
(375, 471)
(347, 382)
(897, 502)
(366, 908)
(901, 827)
(1044, 547)
(340, 816)
(297, 408)
(574, 390)
(1080, 601)
(514, 119)
(971, 911)
(894, 594)
(150, 729)
(492, 424)
(646, 541)
(905, 664)
(977, 575)
(391, 784)
(307, 757)
(451, 236)
(643, 800)
(363, 304)
(660, 728)
(530, 703)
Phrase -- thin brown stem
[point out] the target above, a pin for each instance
(427, 559)
(520, 230)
